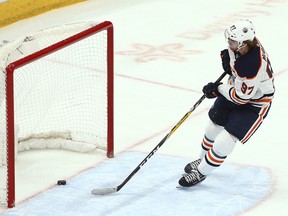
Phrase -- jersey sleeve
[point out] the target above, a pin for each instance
(241, 92)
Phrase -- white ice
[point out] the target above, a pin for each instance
(165, 51)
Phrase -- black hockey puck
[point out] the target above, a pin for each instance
(61, 182)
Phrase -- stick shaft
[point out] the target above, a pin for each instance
(155, 149)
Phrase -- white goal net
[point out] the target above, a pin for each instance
(56, 91)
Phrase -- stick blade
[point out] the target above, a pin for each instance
(104, 191)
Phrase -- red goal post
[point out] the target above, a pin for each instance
(56, 92)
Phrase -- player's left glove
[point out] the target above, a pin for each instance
(225, 61)
(211, 89)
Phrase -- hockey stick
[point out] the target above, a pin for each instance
(105, 191)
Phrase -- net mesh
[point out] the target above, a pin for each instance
(60, 100)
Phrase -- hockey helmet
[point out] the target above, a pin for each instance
(240, 31)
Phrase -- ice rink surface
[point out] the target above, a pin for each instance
(165, 51)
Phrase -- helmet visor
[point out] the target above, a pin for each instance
(228, 35)
(233, 44)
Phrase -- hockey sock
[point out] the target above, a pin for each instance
(206, 146)
(223, 146)
(211, 132)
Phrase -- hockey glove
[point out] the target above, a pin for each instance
(226, 61)
(211, 89)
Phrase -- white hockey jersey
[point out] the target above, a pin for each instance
(252, 79)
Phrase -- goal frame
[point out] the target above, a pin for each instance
(104, 26)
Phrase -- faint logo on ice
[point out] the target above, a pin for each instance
(252, 9)
(146, 52)
(4, 42)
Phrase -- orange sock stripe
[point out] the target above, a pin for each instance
(207, 144)
(213, 159)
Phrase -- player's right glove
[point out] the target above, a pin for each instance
(211, 89)
(226, 61)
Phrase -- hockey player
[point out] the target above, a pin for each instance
(240, 106)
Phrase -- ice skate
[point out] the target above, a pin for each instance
(192, 178)
(192, 166)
